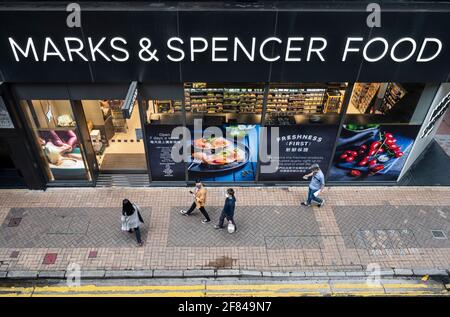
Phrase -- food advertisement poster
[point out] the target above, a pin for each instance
(300, 146)
(372, 152)
(231, 157)
(159, 145)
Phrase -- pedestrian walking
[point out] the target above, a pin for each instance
(132, 219)
(199, 201)
(228, 212)
(315, 186)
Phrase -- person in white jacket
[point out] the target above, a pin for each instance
(131, 219)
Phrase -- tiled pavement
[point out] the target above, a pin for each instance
(390, 226)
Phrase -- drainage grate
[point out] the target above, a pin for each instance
(14, 222)
(438, 234)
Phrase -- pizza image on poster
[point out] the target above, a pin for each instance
(372, 152)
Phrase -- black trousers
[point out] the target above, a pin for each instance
(229, 218)
(202, 210)
(138, 234)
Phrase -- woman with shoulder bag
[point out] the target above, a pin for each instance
(131, 219)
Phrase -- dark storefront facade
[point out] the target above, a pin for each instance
(247, 86)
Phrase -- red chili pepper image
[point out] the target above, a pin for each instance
(377, 168)
(355, 173)
(393, 146)
(375, 145)
(362, 163)
(350, 159)
(343, 156)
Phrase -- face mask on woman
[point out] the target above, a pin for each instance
(226, 196)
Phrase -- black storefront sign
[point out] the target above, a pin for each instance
(224, 45)
(300, 146)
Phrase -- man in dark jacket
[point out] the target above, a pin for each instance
(228, 210)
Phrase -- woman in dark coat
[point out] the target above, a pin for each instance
(131, 219)
(228, 210)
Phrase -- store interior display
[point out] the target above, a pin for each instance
(119, 122)
(292, 104)
(334, 100)
(363, 96)
(167, 106)
(393, 94)
(295, 101)
(375, 98)
(203, 98)
(116, 140)
(56, 135)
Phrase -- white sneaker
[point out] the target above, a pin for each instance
(322, 203)
(183, 212)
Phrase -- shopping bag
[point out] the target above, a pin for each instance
(231, 227)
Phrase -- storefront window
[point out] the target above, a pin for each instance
(391, 103)
(235, 110)
(304, 120)
(290, 104)
(117, 140)
(168, 111)
(56, 134)
(380, 126)
(218, 104)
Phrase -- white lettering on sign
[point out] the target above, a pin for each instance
(173, 48)
(224, 49)
(250, 55)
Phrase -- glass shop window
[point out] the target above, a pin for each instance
(380, 127)
(56, 135)
(290, 104)
(220, 104)
(392, 103)
(167, 111)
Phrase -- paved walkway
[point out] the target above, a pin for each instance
(405, 227)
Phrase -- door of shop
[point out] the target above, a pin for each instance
(114, 130)
(10, 176)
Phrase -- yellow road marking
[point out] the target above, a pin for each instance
(234, 290)
(405, 285)
(266, 286)
(115, 288)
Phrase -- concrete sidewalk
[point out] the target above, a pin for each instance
(403, 230)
